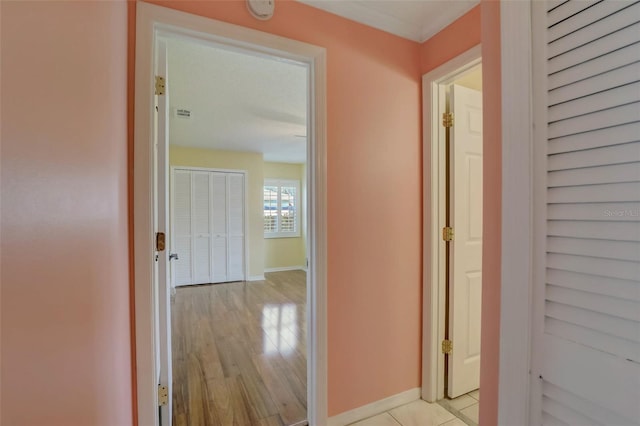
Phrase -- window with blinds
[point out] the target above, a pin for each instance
(281, 208)
(588, 343)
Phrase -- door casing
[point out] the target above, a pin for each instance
(434, 217)
(151, 22)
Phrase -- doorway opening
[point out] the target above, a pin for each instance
(200, 246)
(238, 130)
(453, 235)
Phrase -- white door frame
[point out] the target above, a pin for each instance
(150, 21)
(517, 236)
(434, 250)
(245, 217)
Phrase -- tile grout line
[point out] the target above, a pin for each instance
(392, 416)
(457, 411)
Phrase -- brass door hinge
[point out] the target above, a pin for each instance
(447, 233)
(447, 346)
(447, 119)
(160, 239)
(160, 85)
(163, 395)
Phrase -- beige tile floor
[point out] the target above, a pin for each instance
(461, 411)
(465, 407)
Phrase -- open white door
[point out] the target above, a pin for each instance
(465, 294)
(161, 225)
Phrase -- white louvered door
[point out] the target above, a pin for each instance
(236, 227)
(181, 218)
(586, 343)
(220, 225)
(201, 219)
(208, 226)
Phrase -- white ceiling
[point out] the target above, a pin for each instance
(238, 101)
(415, 20)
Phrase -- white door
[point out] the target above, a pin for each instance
(236, 267)
(466, 248)
(201, 227)
(208, 226)
(161, 216)
(220, 224)
(586, 281)
(181, 237)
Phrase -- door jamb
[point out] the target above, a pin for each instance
(150, 19)
(433, 279)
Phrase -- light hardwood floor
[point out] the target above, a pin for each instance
(239, 352)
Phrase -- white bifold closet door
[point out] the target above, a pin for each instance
(219, 224)
(208, 226)
(235, 227)
(586, 347)
(201, 214)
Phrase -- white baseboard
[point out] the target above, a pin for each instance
(374, 408)
(256, 278)
(285, 268)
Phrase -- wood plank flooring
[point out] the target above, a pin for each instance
(239, 352)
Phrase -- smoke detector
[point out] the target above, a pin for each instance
(261, 9)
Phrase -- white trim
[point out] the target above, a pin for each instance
(256, 278)
(375, 408)
(539, 223)
(285, 268)
(209, 169)
(433, 101)
(151, 20)
(517, 213)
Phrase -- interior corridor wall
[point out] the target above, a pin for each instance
(492, 210)
(66, 343)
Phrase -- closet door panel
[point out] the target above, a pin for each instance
(236, 226)
(201, 217)
(182, 227)
(219, 220)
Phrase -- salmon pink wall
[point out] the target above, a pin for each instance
(458, 37)
(374, 196)
(492, 211)
(66, 352)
